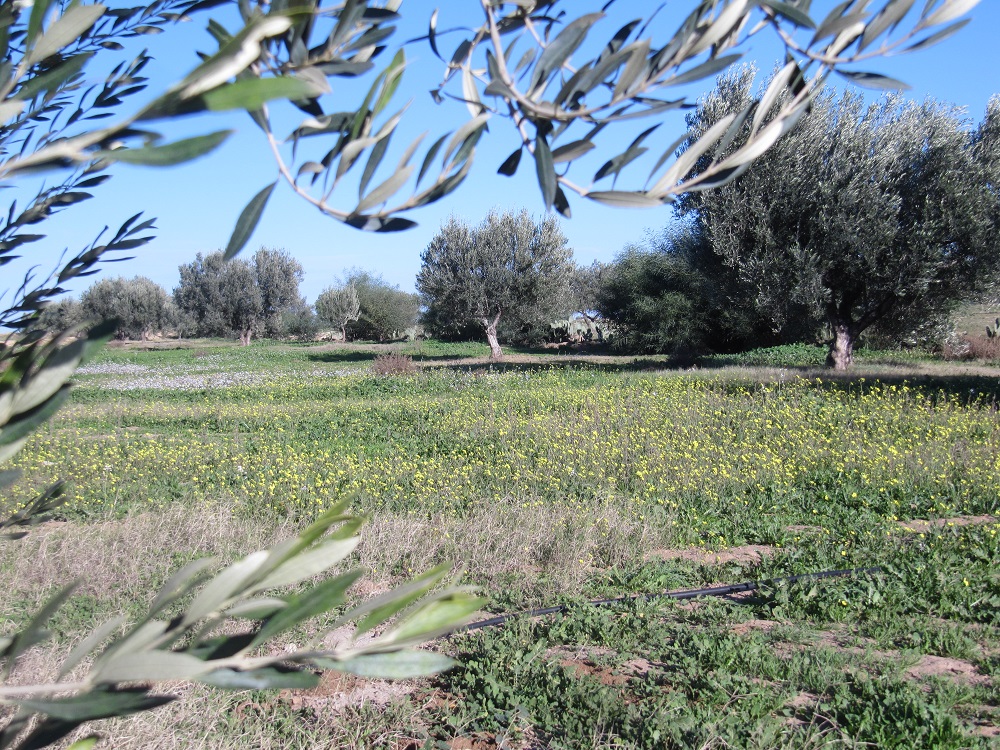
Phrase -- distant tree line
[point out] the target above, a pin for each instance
(866, 220)
(243, 299)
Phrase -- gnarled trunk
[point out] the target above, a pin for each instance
(841, 353)
(245, 336)
(496, 353)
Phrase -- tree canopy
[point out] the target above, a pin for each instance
(507, 275)
(241, 297)
(338, 306)
(139, 306)
(864, 215)
(672, 294)
(386, 311)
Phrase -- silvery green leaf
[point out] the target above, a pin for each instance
(255, 609)
(386, 190)
(65, 30)
(10, 109)
(791, 12)
(96, 704)
(771, 94)
(266, 678)
(624, 199)
(50, 377)
(939, 36)
(88, 644)
(571, 151)
(399, 665)
(443, 614)
(137, 640)
(168, 155)
(951, 10)
(252, 93)
(310, 603)
(559, 49)
(545, 170)
(306, 564)
(181, 581)
(466, 131)
(234, 56)
(764, 139)
(686, 161)
(151, 666)
(377, 610)
(220, 589)
(706, 69)
(247, 222)
(21, 426)
(873, 80)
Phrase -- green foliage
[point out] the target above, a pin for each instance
(215, 636)
(242, 297)
(384, 311)
(910, 176)
(505, 277)
(673, 295)
(140, 306)
(338, 307)
(656, 303)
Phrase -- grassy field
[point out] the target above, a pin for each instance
(556, 479)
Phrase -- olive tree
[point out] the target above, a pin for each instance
(338, 306)
(386, 311)
(241, 297)
(139, 306)
(865, 215)
(510, 268)
(584, 293)
(55, 121)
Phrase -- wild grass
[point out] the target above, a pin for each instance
(557, 485)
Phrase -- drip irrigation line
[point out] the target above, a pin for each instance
(734, 588)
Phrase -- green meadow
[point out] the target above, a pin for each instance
(556, 479)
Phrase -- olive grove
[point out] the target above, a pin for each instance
(66, 116)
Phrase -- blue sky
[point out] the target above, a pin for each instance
(196, 205)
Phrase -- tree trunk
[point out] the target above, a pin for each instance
(496, 353)
(343, 334)
(245, 337)
(841, 353)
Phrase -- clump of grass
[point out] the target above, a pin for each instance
(393, 364)
(984, 348)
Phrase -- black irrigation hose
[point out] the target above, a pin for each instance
(735, 588)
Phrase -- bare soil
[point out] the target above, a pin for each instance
(746, 554)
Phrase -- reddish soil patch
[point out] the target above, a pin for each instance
(749, 553)
(921, 524)
(954, 669)
(337, 691)
(803, 700)
(581, 662)
(763, 626)
(469, 743)
(987, 729)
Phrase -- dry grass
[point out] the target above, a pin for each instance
(120, 563)
(389, 364)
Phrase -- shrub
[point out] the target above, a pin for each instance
(393, 364)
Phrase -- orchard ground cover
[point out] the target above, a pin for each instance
(558, 479)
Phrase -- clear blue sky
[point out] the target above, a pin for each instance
(197, 204)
